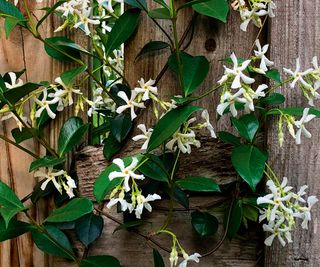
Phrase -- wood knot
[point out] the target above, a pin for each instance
(210, 45)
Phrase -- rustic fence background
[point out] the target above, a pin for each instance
(294, 32)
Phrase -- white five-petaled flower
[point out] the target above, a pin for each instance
(69, 186)
(45, 105)
(142, 202)
(229, 100)
(146, 88)
(84, 21)
(277, 231)
(124, 204)
(301, 125)
(66, 93)
(252, 15)
(126, 172)
(236, 73)
(298, 75)
(305, 215)
(50, 176)
(94, 104)
(316, 72)
(250, 95)
(145, 136)
(184, 141)
(130, 103)
(207, 124)
(14, 81)
(194, 257)
(260, 54)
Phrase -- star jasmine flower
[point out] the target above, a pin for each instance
(142, 202)
(298, 75)
(260, 54)
(251, 15)
(281, 233)
(50, 175)
(145, 136)
(305, 215)
(184, 141)
(124, 204)
(93, 104)
(45, 105)
(236, 73)
(229, 100)
(14, 81)
(130, 103)
(271, 7)
(316, 72)
(147, 89)
(207, 124)
(117, 60)
(125, 172)
(84, 21)
(66, 93)
(173, 256)
(69, 186)
(250, 95)
(194, 257)
(300, 125)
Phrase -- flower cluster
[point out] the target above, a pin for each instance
(128, 186)
(307, 80)
(283, 208)
(59, 178)
(253, 10)
(237, 89)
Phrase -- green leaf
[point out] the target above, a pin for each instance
(65, 46)
(249, 162)
(191, 3)
(154, 169)
(162, 3)
(235, 219)
(157, 259)
(121, 126)
(14, 229)
(194, 70)
(204, 223)
(159, 13)
(56, 243)
(274, 74)
(15, 94)
(24, 134)
(110, 146)
(73, 210)
(9, 10)
(169, 124)
(9, 24)
(229, 138)
(46, 161)
(38, 193)
(89, 228)
(71, 134)
(247, 126)
(123, 29)
(10, 204)
(99, 261)
(142, 4)
(198, 184)
(294, 111)
(153, 46)
(251, 213)
(68, 76)
(217, 9)
(273, 99)
(128, 225)
(181, 197)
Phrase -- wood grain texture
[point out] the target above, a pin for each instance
(295, 32)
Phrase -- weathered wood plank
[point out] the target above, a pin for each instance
(295, 32)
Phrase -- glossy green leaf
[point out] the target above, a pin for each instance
(162, 3)
(194, 70)
(110, 146)
(7, 9)
(169, 124)
(274, 74)
(10, 204)
(15, 94)
(153, 46)
(294, 111)
(181, 197)
(235, 219)
(251, 213)
(160, 13)
(229, 138)
(123, 29)
(69, 76)
(129, 225)
(249, 162)
(46, 161)
(89, 228)
(24, 134)
(247, 126)
(198, 184)
(55, 243)
(71, 134)
(14, 229)
(191, 3)
(9, 24)
(273, 99)
(204, 223)
(38, 193)
(100, 261)
(142, 4)
(73, 210)
(217, 9)
(157, 259)
(121, 126)
(154, 169)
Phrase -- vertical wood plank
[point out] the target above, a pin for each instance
(295, 32)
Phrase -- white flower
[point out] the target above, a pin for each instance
(250, 95)
(271, 7)
(69, 186)
(130, 103)
(300, 125)
(305, 215)
(147, 89)
(173, 256)
(93, 104)
(117, 60)
(66, 93)
(184, 141)
(84, 21)
(194, 257)
(260, 54)
(281, 233)
(124, 204)
(142, 202)
(14, 82)
(145, 136)
(316, 72)
(229, 100)
(252, 15)
(45, 105)
(125, 172)
(205, 116)
(50, 175)
(236, 73)
(298, 75)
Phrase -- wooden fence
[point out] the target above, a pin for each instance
(294, 32)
